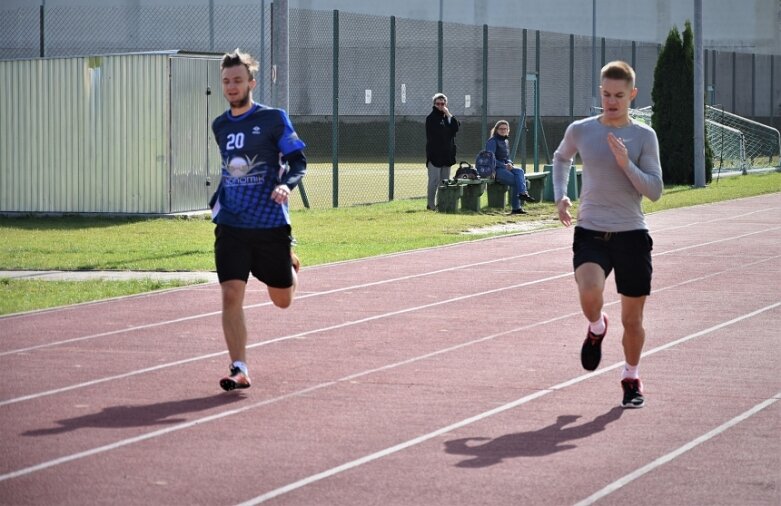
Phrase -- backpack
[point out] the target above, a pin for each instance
(485, 163)
(466, 171)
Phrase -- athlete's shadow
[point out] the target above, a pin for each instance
(162, 413)
(551, 439)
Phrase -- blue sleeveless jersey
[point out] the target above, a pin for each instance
(251, 146)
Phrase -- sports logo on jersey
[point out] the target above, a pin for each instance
(255, 130)
(240, 166)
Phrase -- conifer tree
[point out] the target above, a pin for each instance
(673, 108)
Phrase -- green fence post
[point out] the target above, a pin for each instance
(484, 121)
(523, 99)
(536, 101)
(42, 30)
(335, 114)
(572, 78)
(602, 54)
(392, 110)
(440, 44)
(634, 66)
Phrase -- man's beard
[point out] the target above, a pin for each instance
(242, 102)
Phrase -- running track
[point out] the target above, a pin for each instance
(445, 376)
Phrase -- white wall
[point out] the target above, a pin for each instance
(734, 25)
(750, 26)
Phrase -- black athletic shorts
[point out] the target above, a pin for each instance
(628, 253)
(263, 252)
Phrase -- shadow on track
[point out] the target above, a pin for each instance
(537, 443)
(162, 413)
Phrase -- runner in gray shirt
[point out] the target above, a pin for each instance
(620, 166)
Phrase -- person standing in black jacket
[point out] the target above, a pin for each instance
(441, 129)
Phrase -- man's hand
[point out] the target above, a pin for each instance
(563, 206)
(280, 194)
(620, 153)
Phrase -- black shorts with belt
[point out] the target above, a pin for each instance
(628, 253)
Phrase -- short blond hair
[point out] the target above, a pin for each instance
(619, 70)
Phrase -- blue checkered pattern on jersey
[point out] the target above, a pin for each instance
(250, 146)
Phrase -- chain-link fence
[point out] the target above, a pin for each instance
(360, 86)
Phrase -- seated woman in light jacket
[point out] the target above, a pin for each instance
(506, 173)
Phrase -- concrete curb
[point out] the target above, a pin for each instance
(209, 277)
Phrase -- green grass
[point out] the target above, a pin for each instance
(26, 295)
(324, 235)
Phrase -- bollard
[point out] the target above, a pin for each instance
(496, 193)
(470, 198)
(572, 185)
(447, 197)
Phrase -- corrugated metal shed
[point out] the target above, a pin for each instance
(126, 133)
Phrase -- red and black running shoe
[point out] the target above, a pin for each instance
(591, 351)
(633, 393)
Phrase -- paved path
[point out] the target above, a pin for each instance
(210, 277)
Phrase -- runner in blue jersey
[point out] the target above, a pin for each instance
(262, 162)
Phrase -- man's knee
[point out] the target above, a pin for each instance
(281, 297)
(590, 278)
(232, 293)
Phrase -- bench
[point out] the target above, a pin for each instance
(467, 191)
(573, 186)
(535, 185)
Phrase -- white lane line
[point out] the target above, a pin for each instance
(280, 339)
(262, 304)
(390, 280)
(385, 281)
(182, 426)
(723, 239)
(352, 287)
(486, 414)
(298, 393)
(622, 482)
(333, 327)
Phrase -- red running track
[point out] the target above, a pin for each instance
(441, 376)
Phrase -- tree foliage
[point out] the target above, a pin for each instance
(673, 108)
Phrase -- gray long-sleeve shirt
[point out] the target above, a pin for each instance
(610, 199)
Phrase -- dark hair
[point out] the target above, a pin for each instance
(619, 70)
(238, 58)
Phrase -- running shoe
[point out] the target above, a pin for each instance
(591, 351)
(633, 393)
(236, 379)
(518, 211)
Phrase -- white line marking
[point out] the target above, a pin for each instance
(262, 304)
(175, 428)
(724, 239)
(279, 339)
(676, 453)
(332, 327)
(376, 283)
(467, 421)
